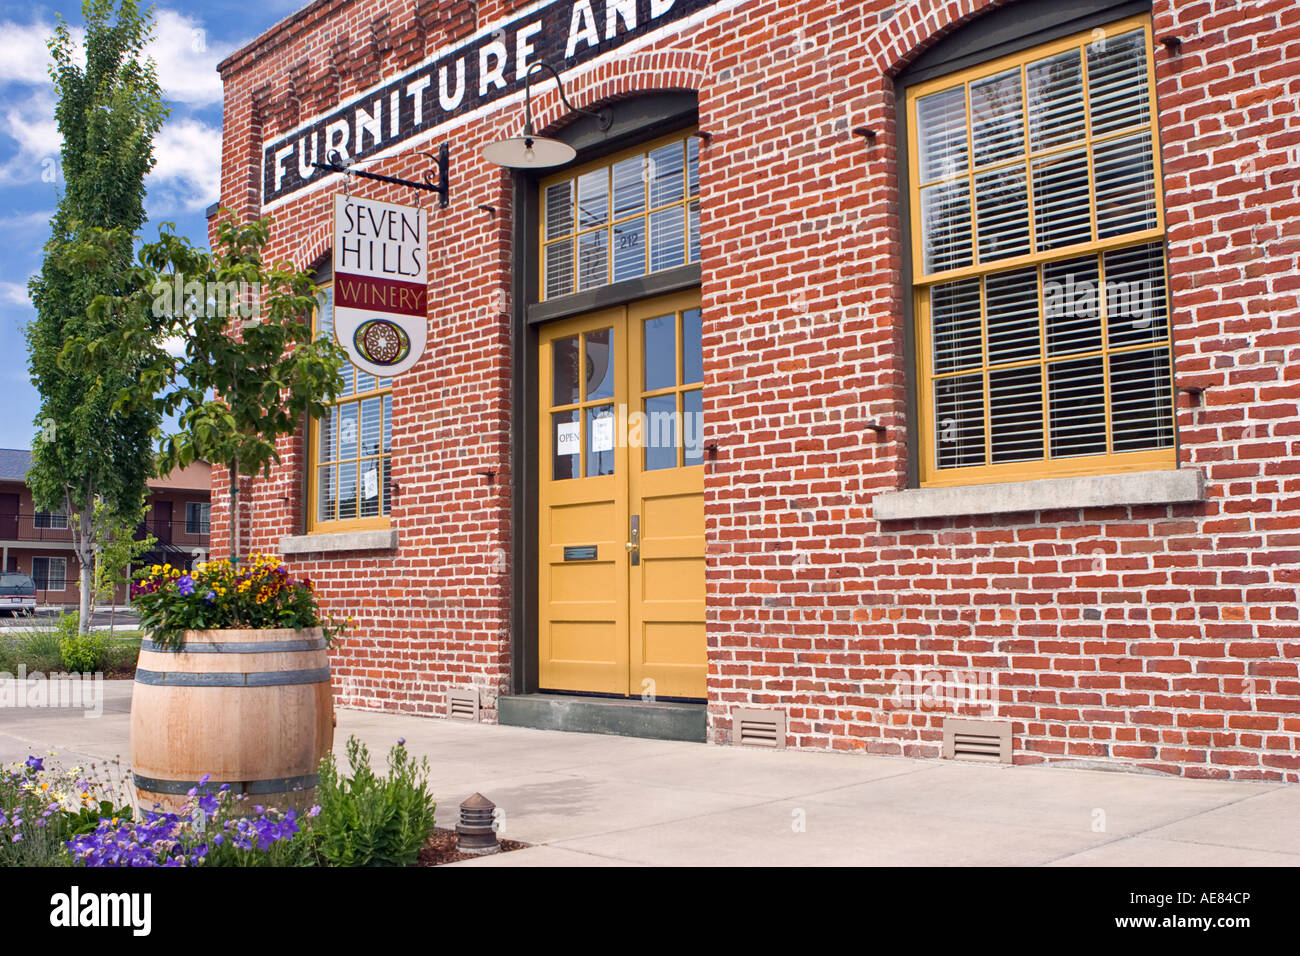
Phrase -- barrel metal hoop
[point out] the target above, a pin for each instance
(274, 785)
(229, 647)
(314, 675)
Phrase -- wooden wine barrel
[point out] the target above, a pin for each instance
(251, 708)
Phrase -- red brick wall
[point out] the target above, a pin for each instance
(1164, 637)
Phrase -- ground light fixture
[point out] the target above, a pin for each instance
(530, 151)
(476, 833)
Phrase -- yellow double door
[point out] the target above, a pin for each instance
(621, 502)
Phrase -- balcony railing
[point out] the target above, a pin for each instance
(26, 527)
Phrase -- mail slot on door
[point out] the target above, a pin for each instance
(580, 552)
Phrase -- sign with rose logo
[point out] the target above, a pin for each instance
(380, 283)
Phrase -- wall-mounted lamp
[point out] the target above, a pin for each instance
(530, 151)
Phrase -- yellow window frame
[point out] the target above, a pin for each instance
(1047, 467)
(316, 525)
(575, 234)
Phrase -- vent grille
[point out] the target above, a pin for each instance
(462, 704)
(758, 728)
(986, 740)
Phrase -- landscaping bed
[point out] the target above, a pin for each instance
(55, 647)
(442, 848)
(72, 817)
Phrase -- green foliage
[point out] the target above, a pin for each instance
(87, 818)
(117, 548)
(80, 653)
(239, 386)
(33, 647)
(369, 820)
(90, 447)
(121, 652)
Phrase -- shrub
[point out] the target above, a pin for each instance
(80, 653)
(34, 647)
(120, 653)
(368, 820)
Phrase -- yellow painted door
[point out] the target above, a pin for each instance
(666, 495)
(621, 507)
(583, 587)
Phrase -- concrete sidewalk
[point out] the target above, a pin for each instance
(589, 800)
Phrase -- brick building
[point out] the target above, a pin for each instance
(39, 543)
(988, 311)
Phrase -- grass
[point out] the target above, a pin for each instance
(34, 644)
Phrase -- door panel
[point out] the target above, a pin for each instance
(582, 628)
(619, 449)
(9, 517)
(668, 654)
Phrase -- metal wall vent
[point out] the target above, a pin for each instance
(462, 703)
(758, 728)
(987, 740)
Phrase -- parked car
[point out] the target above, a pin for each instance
(17, 593)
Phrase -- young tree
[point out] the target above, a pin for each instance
(108, 112)
(250, 369)
(115, 554)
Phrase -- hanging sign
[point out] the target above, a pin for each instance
(381, 283)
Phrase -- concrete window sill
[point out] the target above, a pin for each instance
(381, 540)
(1174, 486)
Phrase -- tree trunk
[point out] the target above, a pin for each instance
(234, 512)
(86, 560)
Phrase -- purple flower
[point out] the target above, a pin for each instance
(36, 763)
(212, 596)
(314, 811)
(401, 741)
(185, 585)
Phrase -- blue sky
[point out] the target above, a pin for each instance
(189, 40)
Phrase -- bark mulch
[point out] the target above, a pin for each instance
(441, 848)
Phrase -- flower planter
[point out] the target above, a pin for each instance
(252, 708)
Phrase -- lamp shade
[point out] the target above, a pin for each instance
(528, 152)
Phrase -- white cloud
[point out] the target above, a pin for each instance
(188, 174)
(25, 222)
(185, 55)
(174, 345)
(26, 58)
(29, 122)
(187, 59)
(14, 293)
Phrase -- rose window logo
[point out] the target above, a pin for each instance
(382, 342)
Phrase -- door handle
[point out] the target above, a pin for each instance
(633, 546)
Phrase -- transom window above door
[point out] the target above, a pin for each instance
(1038, 264)
(621, 217)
